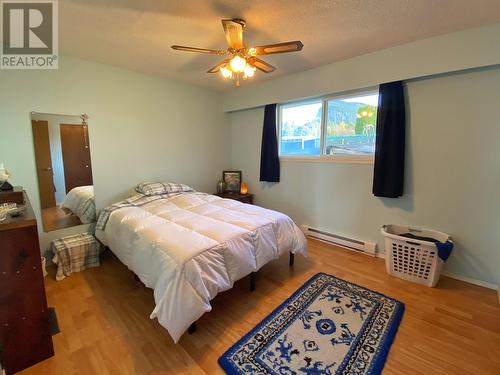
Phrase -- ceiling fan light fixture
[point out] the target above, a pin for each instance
(238, 64)
(241, 62)
(226, 73)
(249, 71)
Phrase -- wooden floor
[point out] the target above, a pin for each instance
(104, 318)
(55, 218)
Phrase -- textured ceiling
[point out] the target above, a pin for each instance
(137, 34)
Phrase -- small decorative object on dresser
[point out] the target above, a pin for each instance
(4, 176)
(25, 337)
(243, 198)
(232, 181)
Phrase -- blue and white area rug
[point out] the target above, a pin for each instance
(328, 326)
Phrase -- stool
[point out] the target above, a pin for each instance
(75, 253)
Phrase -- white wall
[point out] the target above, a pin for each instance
(56, 149)
(466, 49)
(452, 174)
(141, 127)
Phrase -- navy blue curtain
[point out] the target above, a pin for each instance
(388, 176)
(269, 159)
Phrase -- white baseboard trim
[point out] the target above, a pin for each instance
(469, 280)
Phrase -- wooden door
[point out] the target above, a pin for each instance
(43, 162)
(76, 155)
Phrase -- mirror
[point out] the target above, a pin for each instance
(64, 170)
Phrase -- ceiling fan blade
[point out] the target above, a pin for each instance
(269, 49)
(217, 67)
(234, 33)
(261, 65)
(201, 50)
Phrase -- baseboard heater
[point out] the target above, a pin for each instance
(367, 248)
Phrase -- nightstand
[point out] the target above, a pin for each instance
(243, 198)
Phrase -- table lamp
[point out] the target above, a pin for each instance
(244, 188)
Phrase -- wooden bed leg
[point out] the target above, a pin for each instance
(192, 328)
(252, 281)
(292, 259)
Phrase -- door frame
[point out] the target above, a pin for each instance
(44, 192)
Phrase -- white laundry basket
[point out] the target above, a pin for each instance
(411, 259)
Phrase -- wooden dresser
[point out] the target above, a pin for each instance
(25, 337)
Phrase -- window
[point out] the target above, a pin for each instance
(350, 125)
(300, 130)
(330, 128)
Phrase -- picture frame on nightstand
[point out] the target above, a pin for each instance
(232, 181)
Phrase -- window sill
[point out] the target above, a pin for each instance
(359, 159)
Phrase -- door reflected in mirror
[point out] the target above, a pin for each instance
(64, 170)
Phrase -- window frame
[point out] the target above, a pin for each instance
(297, 103)
(323, 157)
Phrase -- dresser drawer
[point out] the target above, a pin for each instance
(22, 299)
(20, 262)
(19, 247)
(24, 326)
(25, 341)
(25, 337)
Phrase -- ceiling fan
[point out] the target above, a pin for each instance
(241, 61)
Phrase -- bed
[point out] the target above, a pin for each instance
(189, 246)
(80, 201)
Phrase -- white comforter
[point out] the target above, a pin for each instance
(192, 246)
(80, 201)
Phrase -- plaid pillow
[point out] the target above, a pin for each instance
(157, 188)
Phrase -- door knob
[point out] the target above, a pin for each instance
(48, 169)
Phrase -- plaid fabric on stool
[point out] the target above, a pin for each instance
(75, 253)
